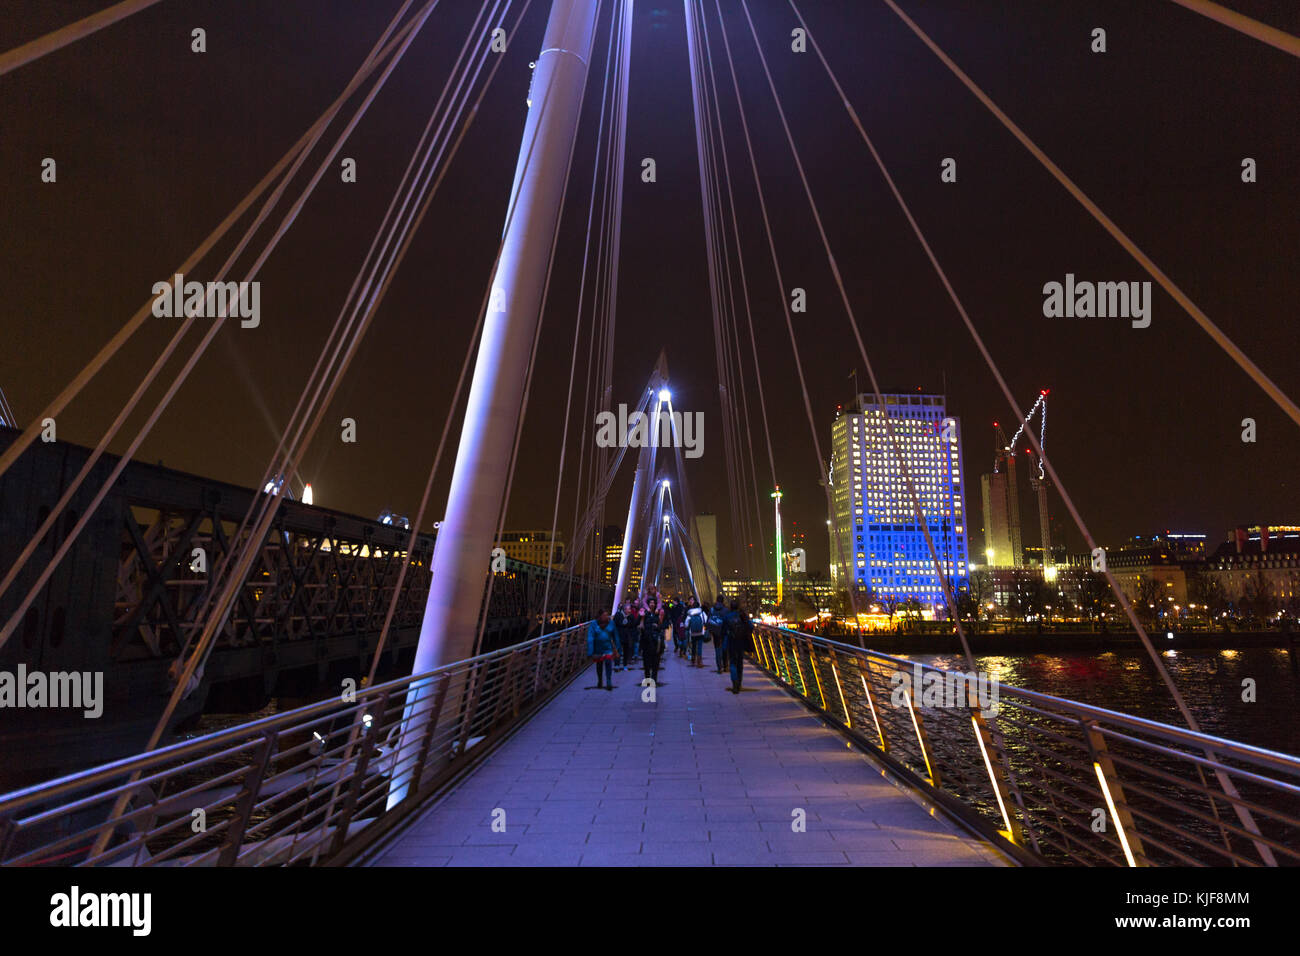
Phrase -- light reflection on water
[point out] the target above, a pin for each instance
(1210, 680)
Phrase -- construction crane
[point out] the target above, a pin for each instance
(1038, 483)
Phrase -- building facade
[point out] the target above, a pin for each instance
(877, 541)
(534, 547)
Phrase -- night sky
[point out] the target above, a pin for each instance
(155, 144)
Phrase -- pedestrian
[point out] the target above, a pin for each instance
(626, 626)
(681, 641)
(738, 632)
(717, 614)
(600, 648)
(652, 639)
(696, 625)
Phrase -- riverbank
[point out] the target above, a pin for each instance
(1050, 643)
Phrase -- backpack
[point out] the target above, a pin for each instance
(695, 621)
(715, 621)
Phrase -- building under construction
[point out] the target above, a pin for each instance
(1003, 541)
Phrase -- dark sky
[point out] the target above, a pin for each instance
(155, 144)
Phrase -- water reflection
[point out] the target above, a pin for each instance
(1215, 683)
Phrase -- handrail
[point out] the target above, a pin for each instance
(1128, 784)
(310, 785)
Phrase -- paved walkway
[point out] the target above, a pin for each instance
(700, 777)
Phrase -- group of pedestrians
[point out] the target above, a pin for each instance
(638, 632)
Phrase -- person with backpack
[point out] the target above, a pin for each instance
(717, 614)
(696, 624)
(738, 631)
(626, 625)
(600, 648)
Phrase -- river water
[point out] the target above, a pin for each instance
(1210, 680)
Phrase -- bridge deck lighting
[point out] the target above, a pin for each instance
(665, 395)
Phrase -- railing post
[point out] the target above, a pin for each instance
(358, 778)
(812, 662)
(245, 802)
(426, 743)
(927, 754)
(835, 672)
(475, 686)
(996, 770)
(871, 705)
(761, 651)
(794, 652)
(1112, 792)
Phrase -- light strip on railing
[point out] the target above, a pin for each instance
(812, 660)
(988, 765)
(920, 740)
(1110, 805)
(848, 721)
(872, 705)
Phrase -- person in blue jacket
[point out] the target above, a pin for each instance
(601, 648)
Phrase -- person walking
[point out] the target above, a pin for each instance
(625, 624)
(652, 640)
(600, 648)
(696, 623)
(718, 614)
(738, 635)
(681, 640)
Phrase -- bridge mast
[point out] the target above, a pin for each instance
(468, 530)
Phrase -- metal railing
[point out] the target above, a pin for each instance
(315, 785)
(1052, 780)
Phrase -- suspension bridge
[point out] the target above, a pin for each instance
(464, 734)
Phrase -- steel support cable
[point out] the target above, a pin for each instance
(1244, 25)
(689, 504)
(184, 372)
(1185, 711)
(594, 465)
(725, 386)
(216, 620)
(740, 258)
(741, 531)
(110, 348)
(776, 269)
(620, 161)
(364, 308)
(58, 39)
(1190, 307)
(442, 440)
(712, 120)
(949, 598)
(944, 578)
(227, 599)
(406, 35)
(532, 358)
(582, 290)
(234, 581)
(389, 226)
(403, 569)
(413, 181)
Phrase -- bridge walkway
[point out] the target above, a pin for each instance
(699, 777)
